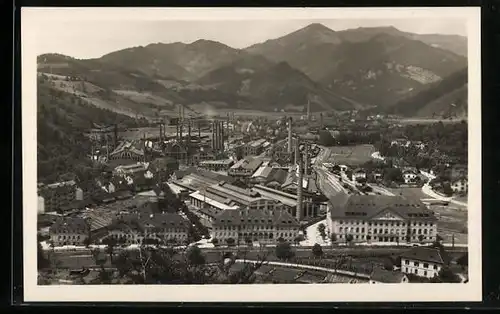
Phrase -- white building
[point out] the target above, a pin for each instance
(41, 204)
(423, 261)
(460, 185)
(410, 175)
(358, 174)
(380, 218)
(69, 231)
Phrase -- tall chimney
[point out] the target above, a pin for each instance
(321, 121)
(290, 135)
(306, 159)
(161, 132)
(189, 132)
(298, 213)
(222, 134)
(308, 110)
(199, 131)
(115, 136)
(227, 123)
(297, 151)
(180, 130)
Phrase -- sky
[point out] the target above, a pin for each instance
(94, 38)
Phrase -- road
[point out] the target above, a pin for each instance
(426, 189)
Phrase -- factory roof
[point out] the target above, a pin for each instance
(353, 206)
(160, 220)
(207, 198)
(135, 147)
(257, 143)
(247, 163)
(69, 183)
(238, 195)
(263, 172)
(217, 162)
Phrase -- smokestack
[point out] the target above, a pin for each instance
(308, 109)
(115, 136)
(290, 135)
(180, 131)
(199, 130)
(298, 213)
(306, 159)
(189, 132)
(321, 121)
(221, 137)
(161, 132)
(297, 151)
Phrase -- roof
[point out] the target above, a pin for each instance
(277, 175)
(211, 212)
(263, 172)
(69, 224)
(179, 174)
(370, 206)
(427, 254)
(217, 162)
(163, 220)
(387, 276)
(248, 164)
(257, 143)
(69, 183)
(237, 217)
(231, 194)
(135, 147)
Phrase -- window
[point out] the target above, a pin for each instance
(406, 269)
(426, 265)
(415, 263)
(416, 271)
(407, 262)
(425, 273)
(435, 267)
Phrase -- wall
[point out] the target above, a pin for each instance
(408, 266)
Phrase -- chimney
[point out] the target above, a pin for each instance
(115, 136)
(290, 135)
(297, 151)
(306, 159)
(221, 136)
(298, 213)
(161, 132)
(321, 121)
(189, 132)
(308, 109)
(199, 130)
(227, 123)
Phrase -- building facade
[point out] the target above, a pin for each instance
(138, 228)
(380, 218)
(423, 261)
(217, 165)
(264, 226)
(69, 231)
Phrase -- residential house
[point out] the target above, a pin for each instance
(380, 218)
(358, 174)
(424, 261)
(460, 185)
(410, 175)
(380, 275)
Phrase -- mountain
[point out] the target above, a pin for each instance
(445, 98)
(374, 66)
(272, 86)
(175, 60)
(454, 43)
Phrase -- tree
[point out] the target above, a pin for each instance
(317, 251)
(195, 257)
(215, 241)
(463, 260)
(446, 275)
(421, 238)
(298, 239)
(333, 238)
(393, 175)
(388, 264)
(349, 238)
(321, 230)
(111, 243)
(230, 241)
(248, 241)
(284, 251)
(43, 261)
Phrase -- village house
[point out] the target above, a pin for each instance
(358, 174)
(410, 175)
(380, 218)
(460, 185)
(423, 261)
(254, 148)
(380, 275)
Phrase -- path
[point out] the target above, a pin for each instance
(426, 189)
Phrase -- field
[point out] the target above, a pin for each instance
(410, 193)
(350, 155)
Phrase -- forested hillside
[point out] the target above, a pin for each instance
(62, 120)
